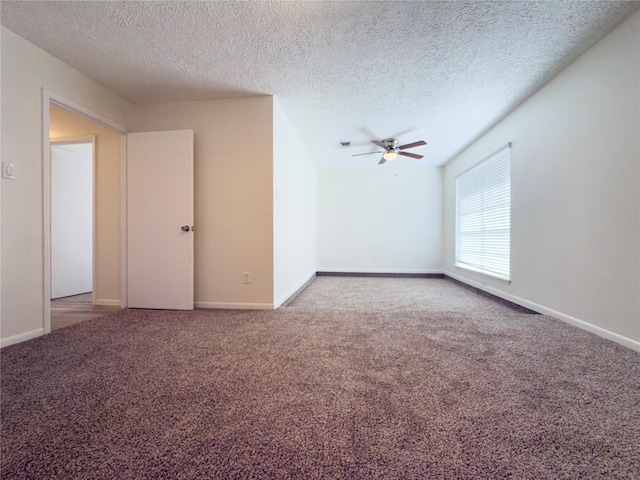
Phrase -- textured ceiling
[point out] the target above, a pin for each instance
(342, 70)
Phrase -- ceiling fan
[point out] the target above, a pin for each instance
(392, 149)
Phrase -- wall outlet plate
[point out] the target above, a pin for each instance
(8, 170)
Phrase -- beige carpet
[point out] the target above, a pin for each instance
(387, 293)
(466, 390)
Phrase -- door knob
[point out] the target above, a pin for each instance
(185, 228)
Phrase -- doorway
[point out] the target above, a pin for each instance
(93, 235)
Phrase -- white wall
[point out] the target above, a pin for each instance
(575, 191)
(383, 219)
(233, 174)
(25, 69)
(294, 210)
(71, 219)
(66, 124)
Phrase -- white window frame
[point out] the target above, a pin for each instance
(483, 216)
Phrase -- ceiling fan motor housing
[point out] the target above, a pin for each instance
(391, 144)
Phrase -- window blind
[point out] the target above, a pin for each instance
(483, 216)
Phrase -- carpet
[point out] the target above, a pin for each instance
(321, 392)
(398, 293)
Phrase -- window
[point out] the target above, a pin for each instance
(483, 216)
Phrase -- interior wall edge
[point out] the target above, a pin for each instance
(294, 291)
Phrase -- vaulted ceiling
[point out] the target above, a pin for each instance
(352, 71)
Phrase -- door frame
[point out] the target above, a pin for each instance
(50, 98)
(82, 141)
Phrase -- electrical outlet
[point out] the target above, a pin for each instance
(246, 277)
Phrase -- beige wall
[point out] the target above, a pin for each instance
(25, 70)
(575, 192)
(65, 124)
(233, 171)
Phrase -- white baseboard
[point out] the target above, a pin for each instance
(293, 290)
(399, 271)
(235, 306)
(21, 337)
(108, 303)
(601, 332)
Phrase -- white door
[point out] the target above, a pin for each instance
(160, 220)
(71, 219)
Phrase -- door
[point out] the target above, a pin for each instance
(160, 220)
(71, 218)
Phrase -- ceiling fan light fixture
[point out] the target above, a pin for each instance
(390, 155)
(391, 148)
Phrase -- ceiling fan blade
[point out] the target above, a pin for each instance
(382, 160)
(412, 155)
(368, 153)
(411, 145)
(379, 143)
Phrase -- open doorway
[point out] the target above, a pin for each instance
(84, 205)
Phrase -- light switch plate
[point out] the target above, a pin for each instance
(8, 170)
